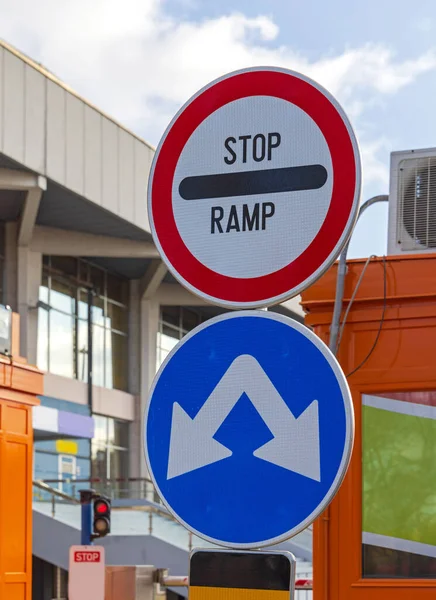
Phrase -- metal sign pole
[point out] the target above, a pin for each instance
(86, 508)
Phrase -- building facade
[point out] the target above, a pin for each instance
(99, 311)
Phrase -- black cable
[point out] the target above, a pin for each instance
(381, 321)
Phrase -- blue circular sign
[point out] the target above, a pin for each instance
(249, 429)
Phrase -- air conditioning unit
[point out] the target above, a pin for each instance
(412, 202)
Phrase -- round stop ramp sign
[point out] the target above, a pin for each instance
(254, 188)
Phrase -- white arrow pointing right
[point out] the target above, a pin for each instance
(295, 445)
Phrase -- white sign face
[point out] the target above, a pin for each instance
(254, 188)
(251, 235)
(86, 579)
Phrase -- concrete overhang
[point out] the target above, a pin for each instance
(60, 207)
(54, 220)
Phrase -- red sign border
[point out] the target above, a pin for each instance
(338, 223)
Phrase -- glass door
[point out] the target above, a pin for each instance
(67, 470)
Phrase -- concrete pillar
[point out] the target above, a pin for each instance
(134, 378)
(29, 280)
(134, 375)
(11, 265)
(146, 342)
(149, 331)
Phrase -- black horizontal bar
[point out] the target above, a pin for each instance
(248, 183)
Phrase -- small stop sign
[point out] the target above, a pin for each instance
(86, 573)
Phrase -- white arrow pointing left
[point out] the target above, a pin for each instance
(295, 445)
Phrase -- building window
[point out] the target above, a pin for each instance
(63, 322)
(398, 492)
(174, 323)
(110, 458)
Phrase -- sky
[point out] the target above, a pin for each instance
(140, 60)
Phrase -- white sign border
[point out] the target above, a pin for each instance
(349, 416)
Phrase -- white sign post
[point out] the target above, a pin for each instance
(86, 573)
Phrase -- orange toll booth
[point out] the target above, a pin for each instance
(377, 540)
(20, 384)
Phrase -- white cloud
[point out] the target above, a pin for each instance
(376, 169)
(137, 62)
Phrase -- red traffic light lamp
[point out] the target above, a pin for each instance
(101, 507)
(102, 517)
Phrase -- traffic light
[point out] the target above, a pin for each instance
(101, 524)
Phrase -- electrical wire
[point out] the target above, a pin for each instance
(360, 365)
(353, 296)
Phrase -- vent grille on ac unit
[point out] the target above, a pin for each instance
(416, 216)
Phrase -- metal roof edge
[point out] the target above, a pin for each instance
(44, 71)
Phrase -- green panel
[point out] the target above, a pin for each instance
(399, 475)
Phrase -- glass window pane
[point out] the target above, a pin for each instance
(2, 276)
(190, 319)
(82, 309)
(98, 356)
(61, 349)
(83, 271)
(170, 314)
(98, 311)
(116, 317)
(42, 350)
(100, 429)
(62, 296)
(170, 331)
(165, 344)
(99, 461)
(121, 434)
(65, 264)
(111, 431)
(116, 361)
(98, 280)
(2, 238)
(82, 350)
(117, 288)
(399, 495)
(43, 289)
(119, 464)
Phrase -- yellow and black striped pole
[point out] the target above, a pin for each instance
(239, 575)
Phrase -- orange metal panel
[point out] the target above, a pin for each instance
(403, 359)
(15, 419)
(14, 505)
(14, 591)
(19, 386)
(15, 500)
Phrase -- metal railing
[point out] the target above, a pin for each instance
(52, 494)
(46, 494)
(118, 488)
(304, 587)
